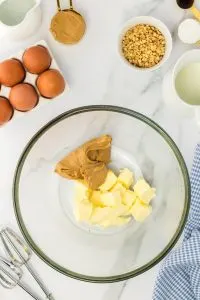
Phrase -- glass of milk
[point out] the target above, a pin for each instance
(186, 82)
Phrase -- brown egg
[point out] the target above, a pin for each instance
(50, 83)
(23, 97)
(36, 59)
(6, 110)
(11, 72)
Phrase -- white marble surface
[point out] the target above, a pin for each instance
(96, 76)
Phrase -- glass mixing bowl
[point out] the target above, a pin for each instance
(43, 200)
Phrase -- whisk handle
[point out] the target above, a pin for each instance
(38, 280)
(28, 291)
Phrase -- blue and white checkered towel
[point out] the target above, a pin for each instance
(179, 276)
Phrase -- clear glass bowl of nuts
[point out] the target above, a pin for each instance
(145, 43)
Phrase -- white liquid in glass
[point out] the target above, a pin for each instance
(187, 83)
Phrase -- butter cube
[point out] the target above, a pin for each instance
(126, 178)
(81, 191)
(129, 198)
(111, 179)
(106, 223)
(119, 210)
(83, 210)
(144, 191)
(96, 198)
(118, 187)
(110, 199)
(115, 216)
(119, 221)
(105, 216)
(122, 221)
(140, 211)
(100, 214)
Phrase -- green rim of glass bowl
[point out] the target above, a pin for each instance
(25, 232)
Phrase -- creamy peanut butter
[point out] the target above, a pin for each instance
(68, 27)
(88, 162)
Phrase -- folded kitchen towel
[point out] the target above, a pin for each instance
(179, 276)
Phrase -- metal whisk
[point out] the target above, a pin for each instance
(10, 277)
(20, 254)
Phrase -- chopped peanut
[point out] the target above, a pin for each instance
(144, 46)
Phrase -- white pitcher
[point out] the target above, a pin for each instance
(19, 18)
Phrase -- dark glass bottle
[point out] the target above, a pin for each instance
(185, 4)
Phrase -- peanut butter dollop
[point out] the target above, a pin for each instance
(68, 26)
(88, 162)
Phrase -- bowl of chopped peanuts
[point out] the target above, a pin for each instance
(145, 43)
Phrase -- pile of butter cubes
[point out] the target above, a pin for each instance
(116, 202)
